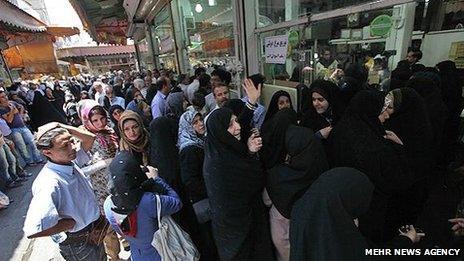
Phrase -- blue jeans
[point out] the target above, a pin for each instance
(7, 164)
(24, 142)
(81, 251)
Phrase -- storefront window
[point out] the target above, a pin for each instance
(209, 31)
(276, 11)
(324, 46)
(442, 15)
(163, 40)
(143, 56)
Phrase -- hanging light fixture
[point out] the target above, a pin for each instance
(211, 2)
(198, 8)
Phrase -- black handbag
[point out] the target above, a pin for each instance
(202, 210)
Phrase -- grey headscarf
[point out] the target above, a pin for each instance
(174, 104)
(187, 134)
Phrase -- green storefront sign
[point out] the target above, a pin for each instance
(381, 25)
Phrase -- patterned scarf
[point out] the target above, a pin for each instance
(141, 144)
(187, 135)
(105, 137)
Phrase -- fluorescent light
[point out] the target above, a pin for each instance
(198, 8)
(211, 2)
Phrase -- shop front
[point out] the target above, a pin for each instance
(185, 34)
(298, 41)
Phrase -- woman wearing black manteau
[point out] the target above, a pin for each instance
(436, 110)
(191, 143)
(360, 141)
(235, 182)
(452, 97)
(324, 110)
(409, 120)
(293, 158)
(325, 225)
(279, 101)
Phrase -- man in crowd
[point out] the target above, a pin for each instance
(63, 205)
(158, 105)
(195, 85)
(326, 65)
(219, 77)
(8, 175)
(114, 100)
(413, 56)
(10, 111)
(143, 85)
(118, 87)
(99, 94)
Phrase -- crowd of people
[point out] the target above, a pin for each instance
(357, 166)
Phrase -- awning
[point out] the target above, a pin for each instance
(94, 51)
(32, 57)
(12, 16)
(58, 31)
(105, 21)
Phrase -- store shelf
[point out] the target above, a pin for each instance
(361, 41)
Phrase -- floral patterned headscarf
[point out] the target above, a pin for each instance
(187, 134)
(105, 137)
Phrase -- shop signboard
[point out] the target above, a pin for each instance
(275, 49)
(381, 25)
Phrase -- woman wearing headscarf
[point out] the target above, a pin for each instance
(57, 101)
(294, 158)
(324, 110)
(164, 153)
(360, 141)
(94, 119)
(409, 120)
(134, 137)
(273, 133)
(436, 111)
(234, 181)
(131, 209)
(140, 106)
(244, 116)
(41, 111)
(452, 97)
(280, 100)
(324, 220)
(191, 144)
(115, 114)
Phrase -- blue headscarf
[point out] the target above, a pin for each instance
(187, 134)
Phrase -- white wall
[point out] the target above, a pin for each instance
(436, 45)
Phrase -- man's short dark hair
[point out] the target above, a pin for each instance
(224, 75)
(416, 53)
(199, 71)
(257, 79)
(161, 82)
(204, 80)
(198, 100)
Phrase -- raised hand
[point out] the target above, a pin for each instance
(251, 91)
